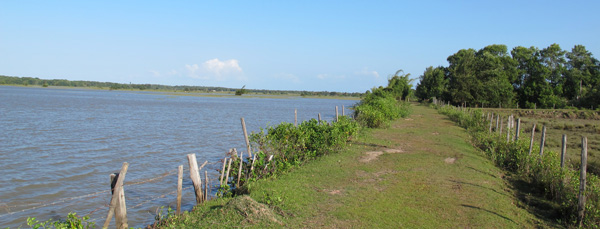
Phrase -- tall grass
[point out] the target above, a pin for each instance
(543, 172)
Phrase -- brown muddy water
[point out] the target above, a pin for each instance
(59, 146)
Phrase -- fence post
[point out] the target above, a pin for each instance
(295, 117)
(581, 204)
(121, 210)
(228, 170)
(543, 141)
(518, 129)
(246, 137)
(497, 122)
(222, 172)
(237, 185)
(319, 118)
(179, 189)
(491, 122)
(508, 130)
(195, 177)
(206, 186)
(563, 151)
(336, 113)
(115, 203)
(531, 141)
(343, 111)
(501, 124)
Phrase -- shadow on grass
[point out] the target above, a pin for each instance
(486, 173)
(479, 186)
(532, 199)
(478, 208)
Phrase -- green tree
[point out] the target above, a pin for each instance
(241, 91)
(399, 85)
(433, 83)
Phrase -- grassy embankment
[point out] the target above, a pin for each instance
(573, 123)
(420, 172)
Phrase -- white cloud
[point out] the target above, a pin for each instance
(216, 69)
(289, 77)
(367, 72)
(328, 76)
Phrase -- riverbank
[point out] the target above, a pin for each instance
(420, 172)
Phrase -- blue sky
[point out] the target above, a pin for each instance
(348, 46)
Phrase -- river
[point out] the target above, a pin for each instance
(59, 146)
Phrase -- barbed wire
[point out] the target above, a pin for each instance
(45, 204)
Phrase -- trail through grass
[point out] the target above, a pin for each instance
(420, 173)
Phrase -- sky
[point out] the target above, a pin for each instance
(344, 46)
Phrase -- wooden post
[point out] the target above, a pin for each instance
(491, 122)
(228, 170)
(563, 151)
(543, 141)
(582, 180)
(295, 117)
(206, 186)
(195, 176)
(508, 130)
(222, 172)
(343, 111)
(118, 192)
(336, 113)
(518, 130)
(179, 188)
(531, 142)
(121, 210)
(246, 137)
(497, 122)
(237, 185)
(501, 124)
(319, 118)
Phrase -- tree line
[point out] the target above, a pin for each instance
(525, 78)
(30, 81)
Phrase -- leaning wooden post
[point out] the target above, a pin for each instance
(118, 192)
(531, 142)
(222, 172)
(195, 176)
(179, 189)
(237, 185)
(563, 151)
(581, 204)
(518, 130)
(228, 170)
(246, 137)
(121, 210)
(336, 113)
(543, 141)
(295, 117)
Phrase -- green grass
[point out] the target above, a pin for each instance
(417, 188)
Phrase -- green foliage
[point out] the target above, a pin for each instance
(72, 221)
(528, 77)
(542, 171)
(241, 91)
(284, 146)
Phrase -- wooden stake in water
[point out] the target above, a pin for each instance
(195, 176)
(118, 191)
(246, 137)
(531, 142)
(206, 186)
(228, 170)
(121, 209)
(179, 188)
(582, 180)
